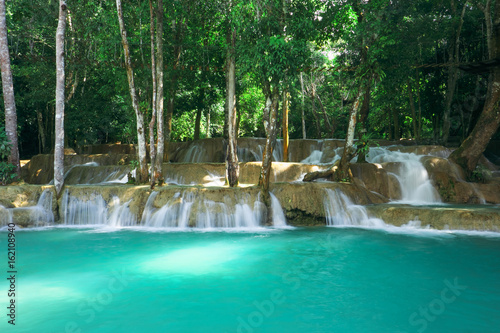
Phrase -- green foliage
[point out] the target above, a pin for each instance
(5, 145)
(134, 164)
(481, 174)
(7, 173)
(386, 39)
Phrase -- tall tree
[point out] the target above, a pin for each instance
(275, 40)
(152, 123)
(453, 58)
(142, 175)
(178, 31)
(232, 167)
(59, 129)
(471, 150)
(8, 92)
(159, 93)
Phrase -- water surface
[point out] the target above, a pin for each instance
(300, 280)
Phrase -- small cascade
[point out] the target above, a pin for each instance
(92, 173)
(341, 211)
(314, 158)
(93, 210)
(278, 151)
(42, 213)
(247, 155)
(195, 154)
(120, 215)
(5, 216)
(185, 210)
(89, 164)
(214, 179)
(279, 219)
(416, 187)
(82, 211)
(250, 155)
(39, 215)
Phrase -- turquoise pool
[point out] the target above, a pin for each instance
(298, 280)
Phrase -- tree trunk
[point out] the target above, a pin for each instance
(41, 132)
(329, 126)
(142, 175)
(363, 119)
(285, 126)
(177, 32)
(304, 136)
(413, 110)
(152, 123)
(8, 92)
(419, 131)
(168, 121)
(208, 122)
(471, 150)
(342, 173)
(160, 145)
(199, 111)
(269, 117)
(316, 118)
(452, 79)
(60, 77)
(232, 167)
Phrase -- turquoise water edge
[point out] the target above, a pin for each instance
(293, 280)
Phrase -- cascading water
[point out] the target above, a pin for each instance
(120, 215)
(93, 210)
(39, 215)
(42, 212)
(314, 158)
(341, 211)
(5, 216)
(186, 210)
(183, 210)
(279, 219)
(416, 187)
(195, 154)
(78, 211)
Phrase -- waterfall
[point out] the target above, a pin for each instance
(314, 158)
(247, 155)
(93, 210)
(120, 215)
(83, 211)
(185, 209)
(416, 187)
(42, 212)
(39, 215)
(279, 219)
(195, 154)
(5, 216)
(341, 211)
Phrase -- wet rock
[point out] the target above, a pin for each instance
(440, 217)
(449, 180)
(40, 169)
(375, 177)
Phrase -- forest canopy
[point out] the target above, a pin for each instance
(316, 51)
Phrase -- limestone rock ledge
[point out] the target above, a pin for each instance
(453, 217)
